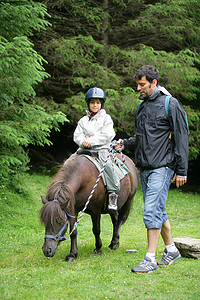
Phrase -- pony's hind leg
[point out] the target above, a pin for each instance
(96, 231)
(116, 228)
(118, 219)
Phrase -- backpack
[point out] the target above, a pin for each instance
(167, 109)
(167, 98)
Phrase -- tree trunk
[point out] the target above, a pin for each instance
(105, 33)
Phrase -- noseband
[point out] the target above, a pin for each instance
(58, 237)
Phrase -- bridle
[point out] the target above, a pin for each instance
(58, 237)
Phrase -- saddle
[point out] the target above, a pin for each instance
(90, 152)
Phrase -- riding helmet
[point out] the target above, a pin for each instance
(95, 92)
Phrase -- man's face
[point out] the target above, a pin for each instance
(146, 88)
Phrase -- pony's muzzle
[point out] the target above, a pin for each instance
(49, 249)
(47, 252)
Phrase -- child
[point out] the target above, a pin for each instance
(95, 131)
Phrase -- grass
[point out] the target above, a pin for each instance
(26, 273)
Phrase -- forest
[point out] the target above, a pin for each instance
(53, 51)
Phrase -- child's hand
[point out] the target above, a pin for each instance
(86, 144)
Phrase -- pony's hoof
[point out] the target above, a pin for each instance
(99, 251)
(114, 246)
(69, 258)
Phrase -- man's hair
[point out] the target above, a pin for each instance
(150, 72)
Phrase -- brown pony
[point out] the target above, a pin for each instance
(67, 195)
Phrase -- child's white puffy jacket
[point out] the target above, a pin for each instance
(98, 131)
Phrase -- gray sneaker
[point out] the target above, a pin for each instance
(146, 266)
(112, 202)
(168, 258)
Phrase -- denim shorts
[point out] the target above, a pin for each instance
(155, 186)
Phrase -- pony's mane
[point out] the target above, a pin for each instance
(59, 189)
(51, 213)
(69, 165)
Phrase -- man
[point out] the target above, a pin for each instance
(160, 145)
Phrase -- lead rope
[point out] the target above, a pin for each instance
(112, 152)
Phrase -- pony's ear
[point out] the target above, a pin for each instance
(44, 200)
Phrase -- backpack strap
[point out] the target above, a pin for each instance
(186, 120)
(167, 98)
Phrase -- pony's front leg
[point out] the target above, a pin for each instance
(96, 231)
(74, 251)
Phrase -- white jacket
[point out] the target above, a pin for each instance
(98, 131)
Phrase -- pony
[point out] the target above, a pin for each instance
(67, 195)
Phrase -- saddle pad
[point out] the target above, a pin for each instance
(120, 171)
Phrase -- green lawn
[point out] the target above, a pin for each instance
(27, 274)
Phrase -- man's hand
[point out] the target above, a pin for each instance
(180, 180)
(119, 145)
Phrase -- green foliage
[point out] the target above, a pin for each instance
(194, 131)
(177, 70)
(22, 122)
(91, 43)
(20, 18)
(95, 43)
(80, 58)
(173, 24)
(21, 68)
(21, 125)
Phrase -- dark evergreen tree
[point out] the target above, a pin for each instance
(21, 121)
(103, 43)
